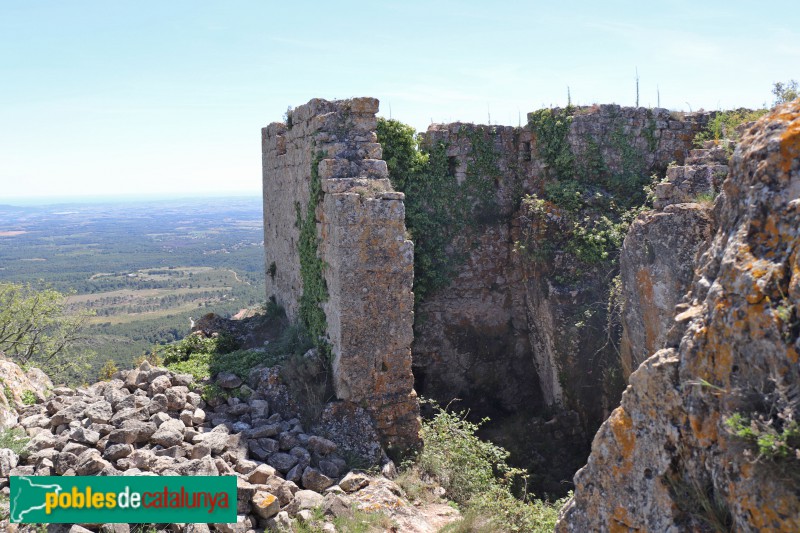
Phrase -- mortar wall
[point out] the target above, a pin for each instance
(368, 262)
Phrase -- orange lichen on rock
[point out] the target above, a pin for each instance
(779, 515)
(705, 429)
(791, 354)
(790, 139)
(622, 427)
(650, 312)
(620, 521)
(737, 344)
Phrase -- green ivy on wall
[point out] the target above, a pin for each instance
(315, 290)
(596, 203)
(439, 210)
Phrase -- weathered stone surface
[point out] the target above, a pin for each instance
(84, 436)
(656, 266)
(265, 505)
(117, 451)
(99, 412)
(170, 433)
(228, 380)
(315, 480)
(137, 430)
(280, 522)
(8, 460)
(282, 462)
(337, 506)
(159, 385)
(352, 431)
(17, 382)
(261, 474)
(321, 446)
(353, 481)
(115, 528)
(90, 462)
(369, 262)
(670, 430)
(199, 467)
(176, 397)
(216, 441)
(66, 415)
(158, 404)
(305, 499)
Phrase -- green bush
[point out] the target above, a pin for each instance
(567, 194)
(240, 362)
(770, 440)
(476, 476)
(595, 241)
(194, 344)
(196, 364)
(551, 127)
(723, 125)
(440, 211)
(785, 92)
(28, 397)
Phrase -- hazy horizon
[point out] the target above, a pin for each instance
(29, 201)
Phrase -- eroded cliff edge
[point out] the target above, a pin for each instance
(677, 454)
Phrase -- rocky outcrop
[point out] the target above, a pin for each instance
(18, 387)
(148, 421)
(680, 453)
(658, 256)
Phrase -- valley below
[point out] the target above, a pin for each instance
(141, 269)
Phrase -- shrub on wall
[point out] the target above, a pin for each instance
(440, 211)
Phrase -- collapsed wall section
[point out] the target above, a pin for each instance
(337, 258)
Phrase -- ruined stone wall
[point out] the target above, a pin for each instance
(367, 263)
(471, 337)
(502, 335)
(669, 458)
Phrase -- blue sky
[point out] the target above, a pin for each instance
(168, 97)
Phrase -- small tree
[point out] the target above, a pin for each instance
(35, 328)
(785, 92)
(107, 371)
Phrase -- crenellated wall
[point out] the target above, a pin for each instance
(323, 174)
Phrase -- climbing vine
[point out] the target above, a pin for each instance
(440, 211)
(551, 127)
(593, 204)
(315, 290)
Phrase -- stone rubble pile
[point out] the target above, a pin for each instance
(149, 422)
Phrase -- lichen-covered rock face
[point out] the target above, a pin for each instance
(656, 269)
(657, 259)
(666, 460)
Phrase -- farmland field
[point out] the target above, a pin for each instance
(142, 268)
